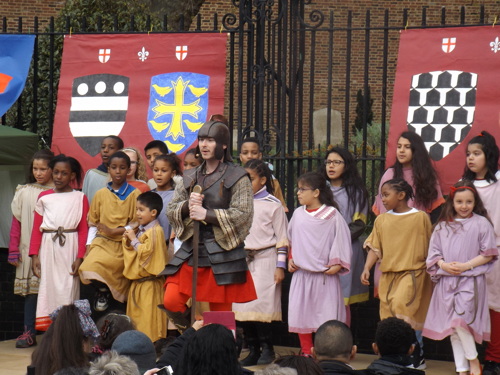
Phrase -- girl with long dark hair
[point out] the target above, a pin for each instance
(350, 194)
(414, 165)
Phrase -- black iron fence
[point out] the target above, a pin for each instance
(301, 77)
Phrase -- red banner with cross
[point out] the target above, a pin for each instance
(139, 87)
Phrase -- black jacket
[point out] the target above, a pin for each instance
(392, 365)
(332, 367)
(172, 355)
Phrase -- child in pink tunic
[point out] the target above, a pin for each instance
(462, 250)
(321, 250)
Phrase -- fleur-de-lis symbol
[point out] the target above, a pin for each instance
(143, 54)
(495, 45)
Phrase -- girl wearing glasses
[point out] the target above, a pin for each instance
(321, 244)
(136, 176)
(351, 196)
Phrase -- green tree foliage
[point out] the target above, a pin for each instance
(77, 16)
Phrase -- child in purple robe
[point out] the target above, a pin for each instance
(321, 244)
(462, 250)
(482, 170)
(350, 194)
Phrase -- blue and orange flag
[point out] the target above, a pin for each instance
(139, 87)
(16, 52)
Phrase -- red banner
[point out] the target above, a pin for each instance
(139, 87)
(447, 89)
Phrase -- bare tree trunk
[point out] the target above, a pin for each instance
(180, 13)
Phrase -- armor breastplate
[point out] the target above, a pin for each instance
(228, 267)
(216, 194)
(216, 185)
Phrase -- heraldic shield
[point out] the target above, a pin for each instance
(99, 104)
(178, 107)
(441, 109)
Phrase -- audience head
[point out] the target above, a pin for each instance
(333, 340)
(394, 337)
(72, 371)
(212, 349)
(66, 340)
(138, 347)
(274, 369)
(112, 363)
(110, 326)
(303, 365)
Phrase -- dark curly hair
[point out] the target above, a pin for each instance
(394, 337)
(173, 160)
(491, 154)
(211, 351)
(424, 175)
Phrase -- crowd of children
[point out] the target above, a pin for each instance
(114, 235)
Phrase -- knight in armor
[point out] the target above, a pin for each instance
(224, 210)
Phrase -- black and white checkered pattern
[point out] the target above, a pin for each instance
(441, 109)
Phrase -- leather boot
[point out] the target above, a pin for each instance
(253, 357)
(267, 356)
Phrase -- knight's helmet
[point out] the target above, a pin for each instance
(220, 132)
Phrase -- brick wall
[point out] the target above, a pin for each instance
(28, 9)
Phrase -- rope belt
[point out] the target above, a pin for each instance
(400, 275)
(59, 234)
(147, 279)
(476, 303)
(252, 253)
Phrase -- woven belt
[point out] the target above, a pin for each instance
(59, 234)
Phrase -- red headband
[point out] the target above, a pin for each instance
(454, 189)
